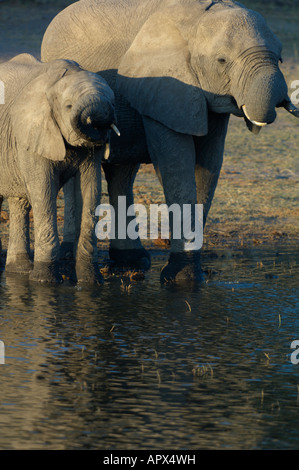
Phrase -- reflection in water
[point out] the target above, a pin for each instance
(153, 367)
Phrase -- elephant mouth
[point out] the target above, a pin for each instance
(254, 126)
(92, 131)
(97, 134)
(94, 135)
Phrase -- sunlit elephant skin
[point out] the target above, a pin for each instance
(54, 114)
(178, 69)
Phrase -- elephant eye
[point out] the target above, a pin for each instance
(221, 60)
(68, 106)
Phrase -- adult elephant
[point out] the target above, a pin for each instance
(178, 69)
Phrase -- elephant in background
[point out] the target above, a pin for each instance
(178, 69)
(54, 114)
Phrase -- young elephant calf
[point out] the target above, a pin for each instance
(54, 114)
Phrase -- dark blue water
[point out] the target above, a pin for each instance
(133, 365)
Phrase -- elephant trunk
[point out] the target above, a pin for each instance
(262, 87)
(290, 107)
(264, 93)
(92, 117)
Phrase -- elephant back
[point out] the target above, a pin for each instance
(15, 74)
(96, 33)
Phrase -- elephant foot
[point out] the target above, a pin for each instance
(20, 265)
(66, 251)
(182, 267)
(88, 274)
(136, 258)
(47, 273)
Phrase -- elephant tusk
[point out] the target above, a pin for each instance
(291, 108)
(258, 124)
(107, 151)
(113, 126)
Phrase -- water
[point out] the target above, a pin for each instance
(133, 365)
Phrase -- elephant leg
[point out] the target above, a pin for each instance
(173, 156)
(69, 235)
(209, 156)
(123, 250)
(18, 260)
(46, 246)
(87, 198)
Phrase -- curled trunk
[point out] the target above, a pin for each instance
(92, 117)
(261, 87)
(265, 92)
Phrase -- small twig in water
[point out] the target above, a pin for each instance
(267, 356)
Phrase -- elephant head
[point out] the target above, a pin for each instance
(63, 105)
(193, 56)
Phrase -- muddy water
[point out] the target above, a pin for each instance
(142, 366)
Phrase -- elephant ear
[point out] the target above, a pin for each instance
(33, 124)
(156, 78)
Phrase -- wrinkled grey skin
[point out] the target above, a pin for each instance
(54, 113)
(178, 69)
